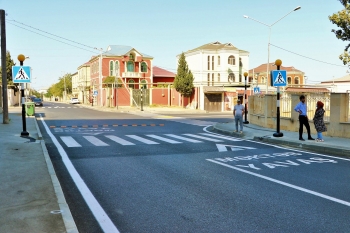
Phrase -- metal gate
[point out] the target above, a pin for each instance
(136, 94)
(213, 102)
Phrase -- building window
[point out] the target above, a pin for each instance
(111, 68)
(212, 63)
(208, 62)
(240, 78)
(218, 60)
(131, 83)
(289, 80)
(130, 66)
(208, 79)
(212, 78)
(144, 67)
(262, 79)
(296, 80)
(218, 78)
(231, 60)
(231, 77)
(143, 84)
(116, 68)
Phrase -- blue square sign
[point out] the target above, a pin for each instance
(279, 78)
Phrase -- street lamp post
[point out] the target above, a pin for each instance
(278, 63)
(245, 98)
(268, 45)
(21, 59)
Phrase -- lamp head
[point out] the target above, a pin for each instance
(246, 16)
(21, 58)
(245, 74)
(297, 8)
(278, 62)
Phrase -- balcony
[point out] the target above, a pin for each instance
(131, 75)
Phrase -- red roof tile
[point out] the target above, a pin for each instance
(159, 72)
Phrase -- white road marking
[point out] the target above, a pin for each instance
(95, 141)
(201, 137)
(163, 139)
(222, 137)
(119, 140)
(144, 140)
(284, 183)
(96, 209)
(183, 138)
(69, 141)
(222, 148)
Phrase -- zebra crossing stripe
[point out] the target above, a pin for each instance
(144, 140)
(163, 139)
(222, 137)
(69, 141)
(183, 138)
(95, 141)
(119, 140)
(204, 138)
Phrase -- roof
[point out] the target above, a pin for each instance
(263, 68)
(216, 46)
(345, 78)
(121, 50)
(159, 72)
(306, 89)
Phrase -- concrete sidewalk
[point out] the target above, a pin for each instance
(31, 199)
(331, 145)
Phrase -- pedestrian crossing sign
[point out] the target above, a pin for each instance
(279, 78)
(256, 90)
(21, 74)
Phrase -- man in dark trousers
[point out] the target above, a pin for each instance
(301, 108)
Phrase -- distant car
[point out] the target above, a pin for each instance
(38, 102)
(74, 101)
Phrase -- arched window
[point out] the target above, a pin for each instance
(130, 66)
(218, 60)
(116, 68)
(289, 80)
(143, 84)
(296, 80)
(131, 83)
(231, 77)
(219, 77)
(144, 67)
(208, 79)
(231, 60)
(111, 68)
(240, 78)
(212, 78)
(263, 80)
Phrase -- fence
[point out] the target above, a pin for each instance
(285, 105)
(311, 102)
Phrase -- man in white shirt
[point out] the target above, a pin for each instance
(238, 112)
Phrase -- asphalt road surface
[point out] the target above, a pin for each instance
(146, 172)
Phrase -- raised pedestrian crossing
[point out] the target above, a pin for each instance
(148, 139)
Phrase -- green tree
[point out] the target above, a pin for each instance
(9, 64)
(183, 82)
(342, 20)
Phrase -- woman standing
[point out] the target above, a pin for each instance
(318, 121)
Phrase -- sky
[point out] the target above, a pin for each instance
(59, 36)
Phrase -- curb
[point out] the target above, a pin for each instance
(319, 148)
(64, 208)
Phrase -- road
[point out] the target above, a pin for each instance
(145, 172)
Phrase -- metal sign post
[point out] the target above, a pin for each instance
(278, 80)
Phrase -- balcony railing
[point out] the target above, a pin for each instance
(131, 75)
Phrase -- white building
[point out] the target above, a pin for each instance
(338, 85)
(216, 67)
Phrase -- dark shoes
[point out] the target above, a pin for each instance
(301, 139)
(310, 138)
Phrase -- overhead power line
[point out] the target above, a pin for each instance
(308, 57)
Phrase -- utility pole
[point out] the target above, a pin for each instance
(5, 105)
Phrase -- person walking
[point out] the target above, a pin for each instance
(238, 112)
(301, 108)
(318, 121)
